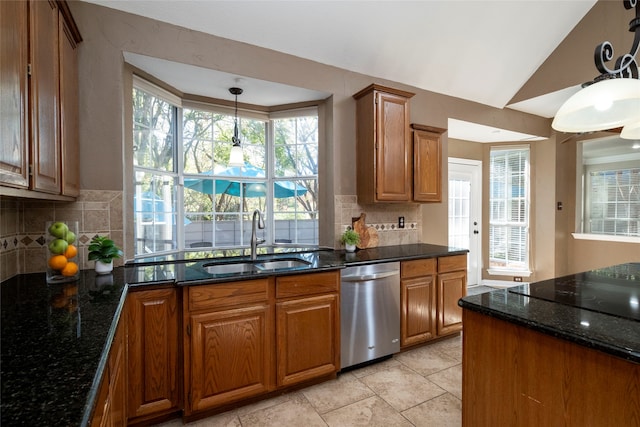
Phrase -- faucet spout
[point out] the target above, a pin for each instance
(257, 221)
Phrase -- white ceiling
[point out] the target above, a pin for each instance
(478, 50)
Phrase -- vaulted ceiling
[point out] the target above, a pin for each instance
(529, 55)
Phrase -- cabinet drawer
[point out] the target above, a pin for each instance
(418, 267)
(452, 263)
(307, 284)
(228, 294)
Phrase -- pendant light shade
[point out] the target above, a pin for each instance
(236, 157)
(631, 131)
(603, 105)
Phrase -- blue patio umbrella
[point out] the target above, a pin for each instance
(283, 189)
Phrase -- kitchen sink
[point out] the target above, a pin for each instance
(255, 266)
(230, 268)
(282, 264)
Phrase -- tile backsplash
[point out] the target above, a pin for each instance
(23, 222)
(383, 217)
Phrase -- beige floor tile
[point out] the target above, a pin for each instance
(427, 360)
(268, 403)
(451, 347)
(372, 412)
(443, 411)
(449, 379)
(297, 411)
(337, 393)
(226, 419)
(372, 369)
(401, 387)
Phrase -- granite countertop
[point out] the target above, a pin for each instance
(54, 345)
(55, 338)
(598, 309)
(188, 272)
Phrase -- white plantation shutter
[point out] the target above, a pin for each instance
(509, 208)
(613, 205)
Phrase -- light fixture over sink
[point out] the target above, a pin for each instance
(235, 157)
(612, 99)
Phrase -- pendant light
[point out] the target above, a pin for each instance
(235, 157)
(612, 99)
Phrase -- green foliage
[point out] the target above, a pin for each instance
(103, 249)
(350, 237)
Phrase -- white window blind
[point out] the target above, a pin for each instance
(613, 205)
(509, 208)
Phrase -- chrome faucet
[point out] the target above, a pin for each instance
(255, 241)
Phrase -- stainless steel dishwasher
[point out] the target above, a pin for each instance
(369, 312)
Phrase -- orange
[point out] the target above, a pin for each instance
(58, 262)
(71, 252)
(70, 269)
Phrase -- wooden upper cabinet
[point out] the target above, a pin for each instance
(427, 163)
(44, 96)
(14, 149)
(69, 114)
(383, 154)
(39, 100)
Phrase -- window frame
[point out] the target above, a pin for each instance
(511, 269)
(269, 234)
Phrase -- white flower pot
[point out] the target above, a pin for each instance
(349, 248)
(103, 267)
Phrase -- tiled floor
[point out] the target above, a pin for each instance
(420, 387)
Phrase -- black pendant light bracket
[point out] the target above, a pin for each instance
(236, 140)
(626, 65)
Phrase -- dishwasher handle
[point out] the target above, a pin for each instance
(367, 277)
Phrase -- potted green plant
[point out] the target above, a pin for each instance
(350, 239)
(103, 250)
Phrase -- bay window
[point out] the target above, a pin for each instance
(187, 197)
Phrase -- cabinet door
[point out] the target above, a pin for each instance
(427, 169)
(118, 377)
(307, 338)
(14, 148)
(393, 149)
(230, 356)
(451, 287)
(152, 352)
(44, 101)
(418, 310)
(69, 138)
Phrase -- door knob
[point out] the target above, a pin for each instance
(475, 232)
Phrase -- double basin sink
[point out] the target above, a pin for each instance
(236, 267)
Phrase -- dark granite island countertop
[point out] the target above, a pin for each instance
(599, 309)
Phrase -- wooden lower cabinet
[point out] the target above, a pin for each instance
(110, 408)
(230, 355)
(429, 293)
(153, 336)
(452, 285)
(247, 338)
(228, 343)
(418, 301)
(307, 339)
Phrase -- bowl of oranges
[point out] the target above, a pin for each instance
(62, 252)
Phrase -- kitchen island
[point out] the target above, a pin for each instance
(564, 351)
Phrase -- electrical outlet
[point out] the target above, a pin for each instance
(517, 279)
(400, 222)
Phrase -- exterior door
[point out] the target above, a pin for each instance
(465, 222)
